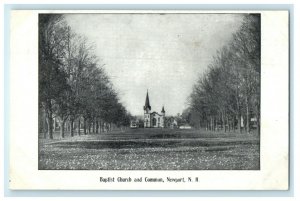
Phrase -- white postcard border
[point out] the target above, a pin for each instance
(24, 173)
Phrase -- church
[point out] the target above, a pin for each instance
(153, 119)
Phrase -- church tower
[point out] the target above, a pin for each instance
(163, 112)
(147, 115)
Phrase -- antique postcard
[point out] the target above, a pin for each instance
(149, 100)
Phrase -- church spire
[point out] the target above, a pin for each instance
(147, 102)
(163, 110)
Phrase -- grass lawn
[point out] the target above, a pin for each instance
(151, 149)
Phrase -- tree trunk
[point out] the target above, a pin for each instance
(72, 127)
(89, 126)
(45, 129)
(45, 125)
(100, 126)
(227, 123)
(239, 123)
(62, 128)
(207, 125)
(214, 124)
(50, 125)
(84, 126)
(223, 123)
(53, 124)
(258, 119)
(238, 114)
(247, 118)
(78, 127)
(258, 124)
(234, 128)
(97, 126)
(94, 125)
(233, 123)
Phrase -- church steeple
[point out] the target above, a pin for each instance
(147, 103)
(163, 110)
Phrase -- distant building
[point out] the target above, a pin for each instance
(153, 119)
(171, 122)
(186, 126)
(134, 124)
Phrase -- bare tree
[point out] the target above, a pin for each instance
(51, 75)
(229, 91)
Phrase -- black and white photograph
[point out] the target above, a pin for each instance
(149, 91)
(149, 100)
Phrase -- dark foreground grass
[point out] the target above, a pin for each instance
(147, 149)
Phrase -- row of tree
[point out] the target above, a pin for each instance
(73, 86)
(227, 95)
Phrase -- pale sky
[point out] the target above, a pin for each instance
(162, 53)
